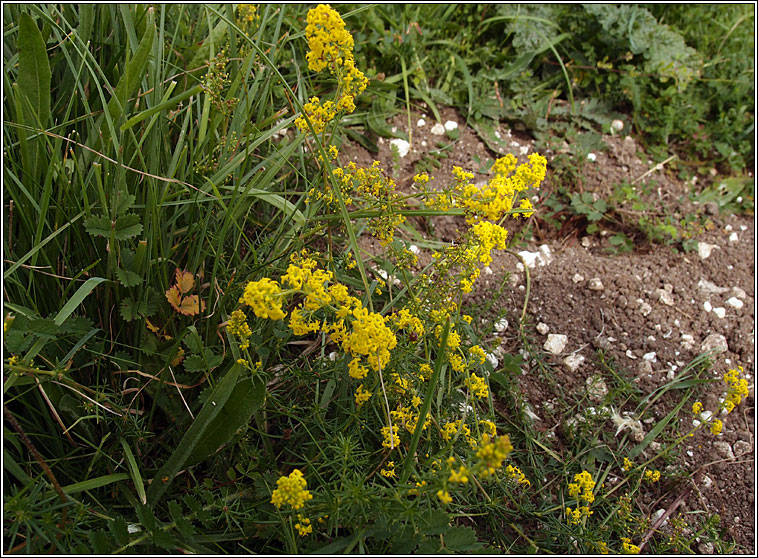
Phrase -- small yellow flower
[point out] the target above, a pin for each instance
(697, 408)
(716, 427)
(652, 476)
(628, 464)
(444, 497)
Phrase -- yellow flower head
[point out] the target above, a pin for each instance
(291, 490)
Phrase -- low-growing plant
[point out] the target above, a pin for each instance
(221, 336)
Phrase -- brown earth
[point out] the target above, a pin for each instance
(650, 311)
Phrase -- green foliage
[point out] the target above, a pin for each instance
(151, 177)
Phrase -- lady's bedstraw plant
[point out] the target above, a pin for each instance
(396, 361)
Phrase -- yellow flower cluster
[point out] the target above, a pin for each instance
(303, 525)
(291, 490)
(496, 198)
(264, 297)
(331, 47)
(574, 516)
(492, 453)
(652, 476)
(582, 487)
(388, 471)
(239, 327)
(737, 389)
(628, 464)
(361, 395)
(516, 474)
(478, 386)
(627, 547)
(320, 114)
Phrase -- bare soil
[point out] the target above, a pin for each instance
(650, 311)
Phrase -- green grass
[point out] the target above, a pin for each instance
(148, 180)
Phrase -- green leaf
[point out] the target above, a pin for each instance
(461, 538)
(246, 398)
(120, 530)
(130, 79)
(128, 278)
(98, 226)
(33, 68)
(100, 542)
(146, 517)
(134, 471)
(127, 226)
(194, 434)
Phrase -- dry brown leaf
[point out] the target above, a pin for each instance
(185, 281)
(191, 305)
(174, 297)
(178, 358)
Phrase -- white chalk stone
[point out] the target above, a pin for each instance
(543, 328)
(573, 362)
(596, 284)
(735, 302)
(708, 306)
(501, 325)
(403, 147)
(577, 278)
(438, 129)
(733, 237)
(704, 249)
(591, 157)
(451, 125)
(421, 123)
(720, 312)
(555, 343)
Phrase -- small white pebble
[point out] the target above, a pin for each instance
(733, 237)
(413, 248)
(421, 123)
(438, 129)
(649, 357)
(720, 312)
(501, 325)
(543, 328)
(735, 302)
(451, 125)
(708, 306)
(592, 157)
(728, 228)
(577, 278)
(402, 146)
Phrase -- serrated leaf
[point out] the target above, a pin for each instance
(130, 310)
(124, 202)
(120, 531)
(146, 517)
(98, 226)
(174, 297)
(128, 278)
(127, 226)
(164, 539)
(185, 281)
(100, 542)
(461, 538)
(191, 305)
(44, 327)
(17, 341)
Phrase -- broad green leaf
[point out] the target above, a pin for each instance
(120, 530)
(194, 434)
(245, 400)
(34, 69)
(98, 226)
